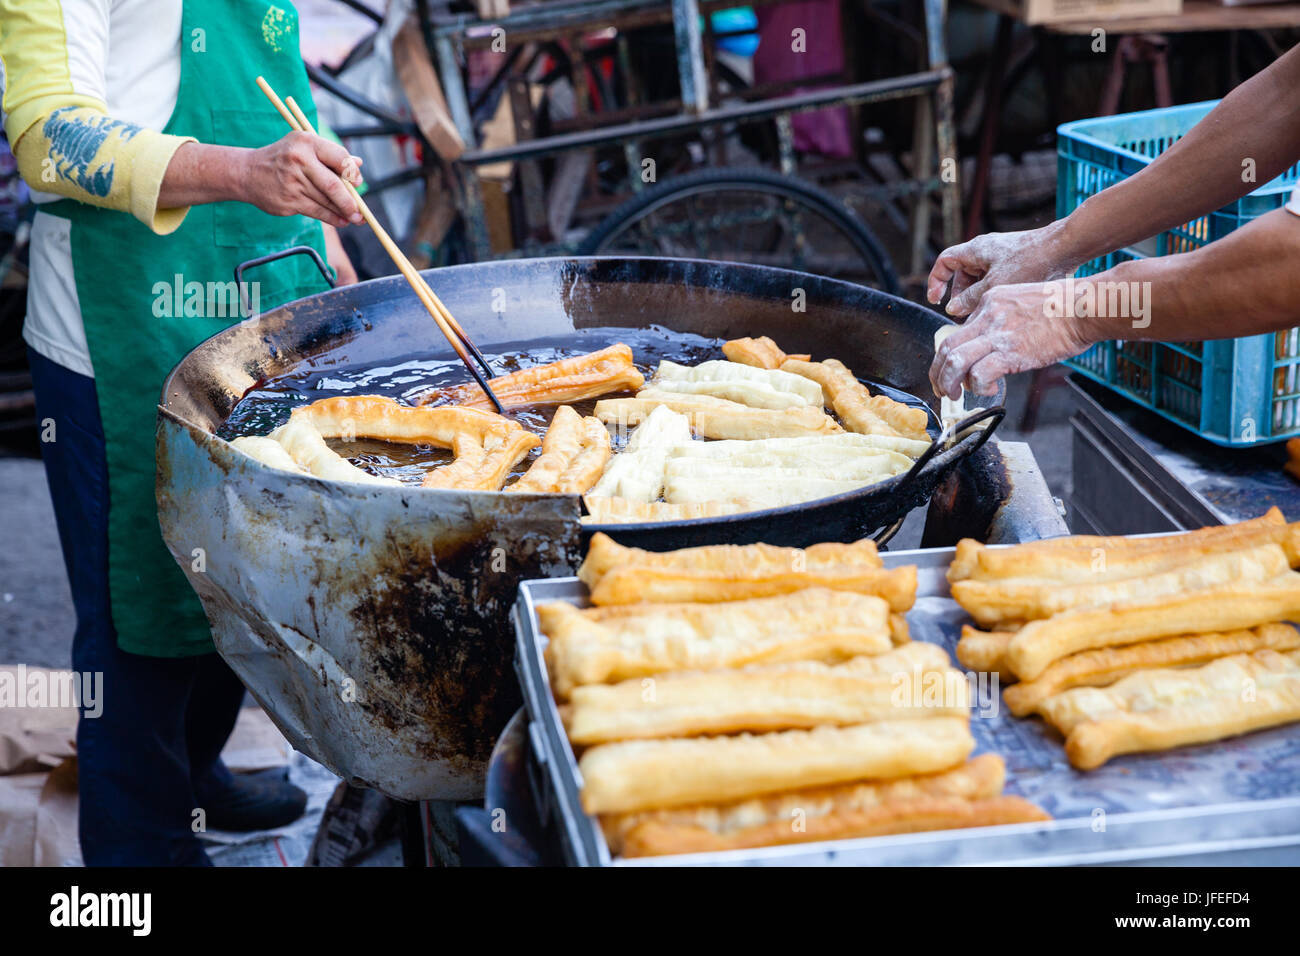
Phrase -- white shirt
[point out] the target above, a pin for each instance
(126, 53)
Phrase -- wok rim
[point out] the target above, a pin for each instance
(966, 445)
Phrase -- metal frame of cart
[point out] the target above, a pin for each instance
(449, 36)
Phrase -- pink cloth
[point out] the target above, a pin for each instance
(825, 131)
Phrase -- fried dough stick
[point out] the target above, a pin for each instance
(1092, 559)
(1229, 607)
(992, 603)
(568, 380)
(488, 471)
(574, 453)
(1164, 708)
(1105, 666)
(618, 575)
(595, 645)
(857, 407)
(756, 387)
(897, 684)
(980, 778)
(630, 584)
(486, 445)
(648, 774)
(761, 352)
(383, 418)
(985, 651)
(604, 554)
(307, 447)
(917, 815)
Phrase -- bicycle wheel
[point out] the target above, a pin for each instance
(746, 215)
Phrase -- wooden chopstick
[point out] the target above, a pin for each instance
(447, 324)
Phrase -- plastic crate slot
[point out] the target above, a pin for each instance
(1201, 386)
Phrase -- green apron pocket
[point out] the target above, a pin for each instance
(236, 225)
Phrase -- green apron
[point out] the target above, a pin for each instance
(143, 314)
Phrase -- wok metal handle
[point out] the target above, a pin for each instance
(272, 257)
(997, 412)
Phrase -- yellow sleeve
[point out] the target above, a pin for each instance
(64, 141)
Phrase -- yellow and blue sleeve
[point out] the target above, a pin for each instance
(65, 142)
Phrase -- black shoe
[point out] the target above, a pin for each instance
(254, 803)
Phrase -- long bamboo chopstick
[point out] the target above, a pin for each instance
(447, 324)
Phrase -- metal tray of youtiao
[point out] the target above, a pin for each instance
(1236, 801)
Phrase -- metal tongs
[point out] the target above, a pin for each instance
(450, 328)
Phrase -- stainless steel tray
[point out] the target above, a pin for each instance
(1236, 801)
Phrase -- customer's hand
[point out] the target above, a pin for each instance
(299, 175)
(994, 259)
(1013, 329)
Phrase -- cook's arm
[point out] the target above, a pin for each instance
(54, 54)
(1251, 137)
(1243, 284)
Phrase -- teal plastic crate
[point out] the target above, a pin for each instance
(1243, 391)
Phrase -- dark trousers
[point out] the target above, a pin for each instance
(145, 764)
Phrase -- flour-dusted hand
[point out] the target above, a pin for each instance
(997, 258)
(1013, 329)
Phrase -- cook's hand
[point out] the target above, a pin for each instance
(1015, 328)
(338, 258)
(994, 259)
(299, 175)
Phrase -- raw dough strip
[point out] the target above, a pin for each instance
(863, 469)
(1107, 665)
(1164, 708)
(992, 603)
(803, 694)
(568, 380)
(845, 445)
(637, 473)
(904, 816)
(1225, 608)
(980, 778)
(717, 417)
(1090, 559)
(758, 489)
(856, 406)
(621, 642)
(761, 385)
(648, 774)
(619, 510)
(761, 352)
